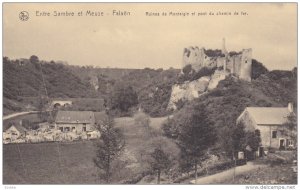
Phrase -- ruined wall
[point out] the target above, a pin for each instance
(197, 58)
(238, 65)
(246, 65)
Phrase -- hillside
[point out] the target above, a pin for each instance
(23, 80)
(23, 85)
(153, 88)
(227, 101)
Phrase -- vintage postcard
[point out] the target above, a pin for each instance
(150, 93)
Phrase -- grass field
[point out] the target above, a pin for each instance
(43, 166)
(75, 166)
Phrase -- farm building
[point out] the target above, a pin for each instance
(75, 121)
(270, 122)
(13, 132)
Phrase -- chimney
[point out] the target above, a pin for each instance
(290, 107)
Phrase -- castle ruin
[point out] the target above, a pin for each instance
(236, 64)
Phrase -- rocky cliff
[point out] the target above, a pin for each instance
(193, 89)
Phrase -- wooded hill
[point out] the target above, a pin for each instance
(23, 80)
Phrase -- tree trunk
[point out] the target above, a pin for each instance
(196, 171)
(108, 170)
(158, 177)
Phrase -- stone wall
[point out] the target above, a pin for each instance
(246, 65)
(238, 65)
(197, 58)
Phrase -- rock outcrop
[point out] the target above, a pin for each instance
(194, 89)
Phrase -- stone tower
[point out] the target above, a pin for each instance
(246, 65)
(224, 51)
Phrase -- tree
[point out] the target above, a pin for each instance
(187, 69)
(196, 136)
(160, 162)
(34, 59)
(253, 139)
(141, 119)
(122, 98)
(42, 108)
(238, 138)
(185, 163)
(290, 128)
(108, 148)
(257, 69)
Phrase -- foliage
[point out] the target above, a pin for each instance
(25, 80)
(153, 88)
(234, 141)
(187, 69)
(109, 148)
(196, 135)
(160, 162)
(141, 119)
(290, 128)
(34, 59)
(214, 53)
(190, 76)
(121, 99)
(226, 102)
(278, 86)
(258, 69)
(253, 139)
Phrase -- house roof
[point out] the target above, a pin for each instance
(20, 128)
(75, 117)
(268, 115)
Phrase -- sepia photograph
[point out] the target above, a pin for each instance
(150, 94)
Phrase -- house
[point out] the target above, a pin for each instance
(13, 132)
(75, 121)
(269, 121)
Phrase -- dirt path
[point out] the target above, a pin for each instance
(17, 114)
(228, 174)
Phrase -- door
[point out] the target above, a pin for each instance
(282, 144)
(261, 151)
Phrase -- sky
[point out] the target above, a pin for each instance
(139, 41)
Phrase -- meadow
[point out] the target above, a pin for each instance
(72, 162)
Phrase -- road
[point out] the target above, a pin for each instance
(228, 174)
(17, 114)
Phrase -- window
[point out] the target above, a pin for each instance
(84, 129)
(274, 134)
(61, 129)
(73, 128)
(289, 142)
